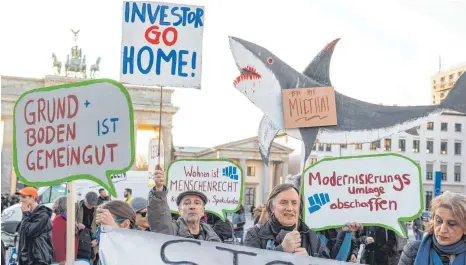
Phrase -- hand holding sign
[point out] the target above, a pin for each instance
(159, 178)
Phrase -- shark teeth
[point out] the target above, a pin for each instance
(250, 73)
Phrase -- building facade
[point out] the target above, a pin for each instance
(443, 82)
(436, 146)
(146, 101)
(260, 178)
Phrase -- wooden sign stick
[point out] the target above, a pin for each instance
(160, 125)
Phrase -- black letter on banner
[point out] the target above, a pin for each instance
(235, 254)
(279, 262)
(166, 244)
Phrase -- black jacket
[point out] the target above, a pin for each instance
(332, 236)
(35, 241)
(259, 235)
(101, 200)
(383, 247)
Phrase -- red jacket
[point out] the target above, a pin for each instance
(59, 239)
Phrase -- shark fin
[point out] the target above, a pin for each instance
(318, 69)
(267, 132)
(456, 98)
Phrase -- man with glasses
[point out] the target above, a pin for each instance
(139, 205)
(191, 206)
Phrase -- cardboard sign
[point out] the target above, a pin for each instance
(178, 250)
(309, 107)
(221, 180)
(75, 131)
(379, 190)
(154, 158)
(162, 44)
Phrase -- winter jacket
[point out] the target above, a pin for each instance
(224, 230)
(239, 219)
(101, 200)
(332, 237)
(59, 239)
(160, 219)
(409, 253)
(384, 245)
(259, 236)
(35, 243)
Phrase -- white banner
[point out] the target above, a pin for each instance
(125, 247)
(162, 44)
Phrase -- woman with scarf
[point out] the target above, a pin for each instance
(445, 240)
(59, 231)
(283, 208)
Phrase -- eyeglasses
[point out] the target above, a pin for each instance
(143, 214)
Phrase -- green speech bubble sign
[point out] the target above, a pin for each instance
(221, 180)
(374, 190)
(81, 130)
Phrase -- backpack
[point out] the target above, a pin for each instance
(84, 244)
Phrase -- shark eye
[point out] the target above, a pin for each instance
(270, 61)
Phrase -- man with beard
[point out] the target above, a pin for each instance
(103, 197)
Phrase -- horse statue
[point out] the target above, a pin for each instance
(82, 67)
(95, 68)
(56, 63)
(67, 64)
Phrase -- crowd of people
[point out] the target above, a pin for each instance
(277, 227)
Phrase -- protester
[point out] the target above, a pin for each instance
(238, 221)
(35, 243)
(444, 242)
(139, 205)
(223, 229)
(278, 233)
(128, 195)
(117, 214)
(59, 231)
(380, 244)
(191, 205)
(350, 245)
(103, 197)
(252, 211)
(86, 218)
(417, 228)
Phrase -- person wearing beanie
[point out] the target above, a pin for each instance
(191, 206)
(139, 205)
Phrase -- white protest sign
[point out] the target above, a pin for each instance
(154, 158)
(162, 44)
(144, 248)
(74, 131)
(221, 180)
(378, 190)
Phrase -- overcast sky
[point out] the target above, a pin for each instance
(388, 51)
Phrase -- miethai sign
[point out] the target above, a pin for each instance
(221, 180)
(379, 190)
(162, 44)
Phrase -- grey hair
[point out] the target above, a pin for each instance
(59, 206)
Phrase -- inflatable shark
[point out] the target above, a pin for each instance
(263, 76)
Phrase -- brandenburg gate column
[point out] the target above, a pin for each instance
(8, 178)
(167, 143)
(136, 124)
